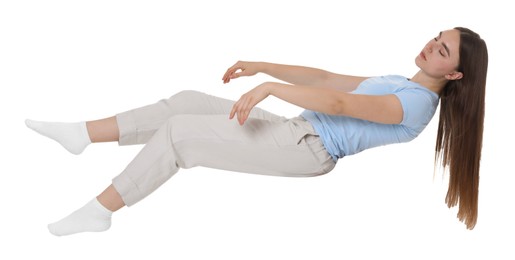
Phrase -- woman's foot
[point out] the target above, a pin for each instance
(92, 217)
(72, 136)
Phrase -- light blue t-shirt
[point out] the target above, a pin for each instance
(343, 136)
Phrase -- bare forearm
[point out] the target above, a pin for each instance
(384, 109)
(318, 99)
(297, 75)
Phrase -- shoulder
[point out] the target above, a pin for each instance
(418, 103)
(408, 89)
(392, 84)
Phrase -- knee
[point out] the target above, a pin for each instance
(184, 102)
(187, 95)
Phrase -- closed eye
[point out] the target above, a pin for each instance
(443, 44)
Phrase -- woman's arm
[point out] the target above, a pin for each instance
(296, 75)
(385, 109)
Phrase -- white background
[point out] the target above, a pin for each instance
(83, 60)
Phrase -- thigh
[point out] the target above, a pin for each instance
(137, 126)
(281, 148)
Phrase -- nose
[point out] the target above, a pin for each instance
(433, 45)
(429, 47)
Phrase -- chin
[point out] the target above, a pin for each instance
(417, 62)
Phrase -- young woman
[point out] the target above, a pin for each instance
(344, 115)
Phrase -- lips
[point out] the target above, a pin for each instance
(422, 55)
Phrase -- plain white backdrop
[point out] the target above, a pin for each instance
(83, 60)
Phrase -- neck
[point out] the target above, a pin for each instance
(434, 84)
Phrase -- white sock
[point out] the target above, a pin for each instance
(73, 136)
(93, 217)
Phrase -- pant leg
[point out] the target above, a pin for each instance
(138, 125)
(280, 148)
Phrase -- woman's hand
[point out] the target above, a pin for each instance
(241, 68)
(249, 100)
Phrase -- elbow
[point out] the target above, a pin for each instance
(337, 107)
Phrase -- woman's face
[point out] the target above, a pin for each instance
(440, 56)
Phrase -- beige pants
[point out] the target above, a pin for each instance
(193, 129)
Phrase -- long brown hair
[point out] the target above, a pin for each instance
(460, 129)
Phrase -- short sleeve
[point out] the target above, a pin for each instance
(418, 106)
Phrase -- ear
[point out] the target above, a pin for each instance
(454, 75)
